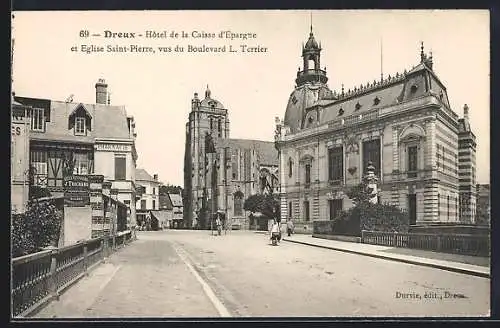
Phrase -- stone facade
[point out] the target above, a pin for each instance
(403, 124)
(237, 168)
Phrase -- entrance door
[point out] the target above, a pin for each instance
(412, 208)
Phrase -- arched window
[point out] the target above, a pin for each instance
(238, 203)
(290, 168)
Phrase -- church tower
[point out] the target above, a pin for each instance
(208, 117)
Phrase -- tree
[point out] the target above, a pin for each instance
(368, 216)
(268, 205)
(169, 189)
(360, 193)
(36, 192)
(36, 228)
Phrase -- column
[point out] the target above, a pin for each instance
(395, 149)
(315, 189)
(431, 189)
(282, 182)
(360, 166)
(381, 164)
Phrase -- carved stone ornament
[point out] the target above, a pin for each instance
(352, 170)
(351, 142)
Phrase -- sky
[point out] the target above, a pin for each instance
(157, 88)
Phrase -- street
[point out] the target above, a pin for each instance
(178, 273)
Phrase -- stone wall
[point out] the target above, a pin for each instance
(77, 224)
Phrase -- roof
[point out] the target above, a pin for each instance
(304, 96)
(311, 42)
(165, 202)
(162, 216)
(176, 200)
(106, 121)
(210, 102)
(143, 175)
(313, 104)
(266, 151)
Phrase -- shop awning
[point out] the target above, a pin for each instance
(161, 216)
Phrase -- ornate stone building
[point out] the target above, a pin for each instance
(403, 124)
(221, 174)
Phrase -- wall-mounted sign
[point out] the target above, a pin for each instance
(113, 147)
(76, 190)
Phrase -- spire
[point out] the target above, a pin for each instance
(311, 16)
(207, 92)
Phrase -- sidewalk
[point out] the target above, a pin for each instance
(146, 279)
(443, 261)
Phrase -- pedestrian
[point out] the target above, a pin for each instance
(195, 220)
(275, 232)
(218, 223)
(289, 227)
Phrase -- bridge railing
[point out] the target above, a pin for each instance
(41, 277)
(478, 245)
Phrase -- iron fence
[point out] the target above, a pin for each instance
(41, 277)
(466, 244)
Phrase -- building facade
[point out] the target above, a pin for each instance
(149, 198)
(19, 157)
(403, 124)
(69, 139)
(219, 172)
(177, 210)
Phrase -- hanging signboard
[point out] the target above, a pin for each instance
(76, 190)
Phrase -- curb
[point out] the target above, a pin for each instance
(431, 265)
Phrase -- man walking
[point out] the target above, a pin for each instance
(218, 223)
(289, 227)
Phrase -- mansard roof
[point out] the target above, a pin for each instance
(387, 92)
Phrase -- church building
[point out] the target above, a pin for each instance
(422, 152)
(220, 172)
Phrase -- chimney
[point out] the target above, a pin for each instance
(466, 113)
(155, 177)
(101, 92)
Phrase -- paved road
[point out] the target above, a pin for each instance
(194, 274)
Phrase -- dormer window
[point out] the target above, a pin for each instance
(38, 119)
(311, 119)
(341, 111)
(376, 101)
(414, 88)
(358, 106)
(80, 125)
(80, 121)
